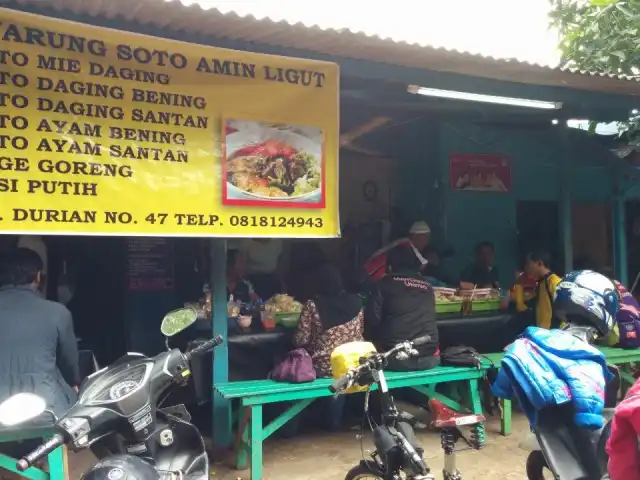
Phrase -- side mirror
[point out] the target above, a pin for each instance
(176, 321)
(21, 408)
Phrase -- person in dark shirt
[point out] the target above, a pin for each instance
(402, 307)
(38, 347)
(237, 285)
(482, 274)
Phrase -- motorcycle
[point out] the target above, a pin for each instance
(118, 411)
(565, 450)
(398, 454)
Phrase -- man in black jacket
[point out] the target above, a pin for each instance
(402, 307)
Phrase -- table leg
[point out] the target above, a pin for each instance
(242, 439)
(58, 464)
(476, 405)
(626, 375)
(505, 417)
(256, 442)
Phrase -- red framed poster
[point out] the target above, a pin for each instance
(480, 172)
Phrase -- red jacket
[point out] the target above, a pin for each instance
(376, 266)
(622, 446)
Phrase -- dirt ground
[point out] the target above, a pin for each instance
(330, 456)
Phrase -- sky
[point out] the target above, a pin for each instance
(500, 28)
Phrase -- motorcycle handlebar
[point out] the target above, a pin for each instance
(344, 381)
(204, 347)
(418, 342)
(39, 453)
(340, 384)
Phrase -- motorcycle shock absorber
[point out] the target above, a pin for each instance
(477, 436)
(448, 439)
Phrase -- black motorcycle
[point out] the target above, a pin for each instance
(567, 451)
(118, 415)
(398, 454)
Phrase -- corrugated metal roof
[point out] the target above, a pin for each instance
(174, 15)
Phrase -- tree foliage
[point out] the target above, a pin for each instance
(599, 35)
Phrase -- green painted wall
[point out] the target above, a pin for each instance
(463, 218)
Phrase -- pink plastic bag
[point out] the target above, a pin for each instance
(297, 367)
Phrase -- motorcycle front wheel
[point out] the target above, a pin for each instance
(537, 466)
(363, 472)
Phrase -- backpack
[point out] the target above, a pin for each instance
(628, 320)
(297, 367)
(460, 357)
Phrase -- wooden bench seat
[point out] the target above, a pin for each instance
(252, 395)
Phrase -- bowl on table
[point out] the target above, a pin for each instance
(288, 319)
(244, 321)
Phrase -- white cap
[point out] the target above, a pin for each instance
(419, 227)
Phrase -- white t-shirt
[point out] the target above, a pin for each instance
(36, 244)
(262, 256)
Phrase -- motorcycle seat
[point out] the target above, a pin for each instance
(444, 417)
(572, 452)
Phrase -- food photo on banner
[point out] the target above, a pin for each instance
(273, 165)
(480, 172)
(115, 133)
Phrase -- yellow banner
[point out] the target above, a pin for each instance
(107, 132)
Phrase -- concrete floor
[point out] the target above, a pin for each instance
(330, 456)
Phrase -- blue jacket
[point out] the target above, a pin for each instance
(552, 367)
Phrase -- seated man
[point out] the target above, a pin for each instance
(482, 274)
(402, 307)
(38, 348)
(417, 242)
(538, 266)
(237, 285)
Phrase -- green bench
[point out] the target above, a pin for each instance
(57, 459)
(252, 395)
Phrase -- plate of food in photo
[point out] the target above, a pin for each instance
(266, 163)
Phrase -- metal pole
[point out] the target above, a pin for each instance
(218, 284)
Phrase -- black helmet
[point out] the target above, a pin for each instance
(122, 467)
(587, 298)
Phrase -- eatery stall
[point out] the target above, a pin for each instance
(165, 125)
(119, 134)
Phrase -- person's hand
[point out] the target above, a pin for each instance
(75, 389)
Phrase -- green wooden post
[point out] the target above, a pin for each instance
(222, 428)
(505, 417)
(565, 226)
(256, 442)
(618, 226)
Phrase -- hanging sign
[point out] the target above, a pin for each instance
(111, 133)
